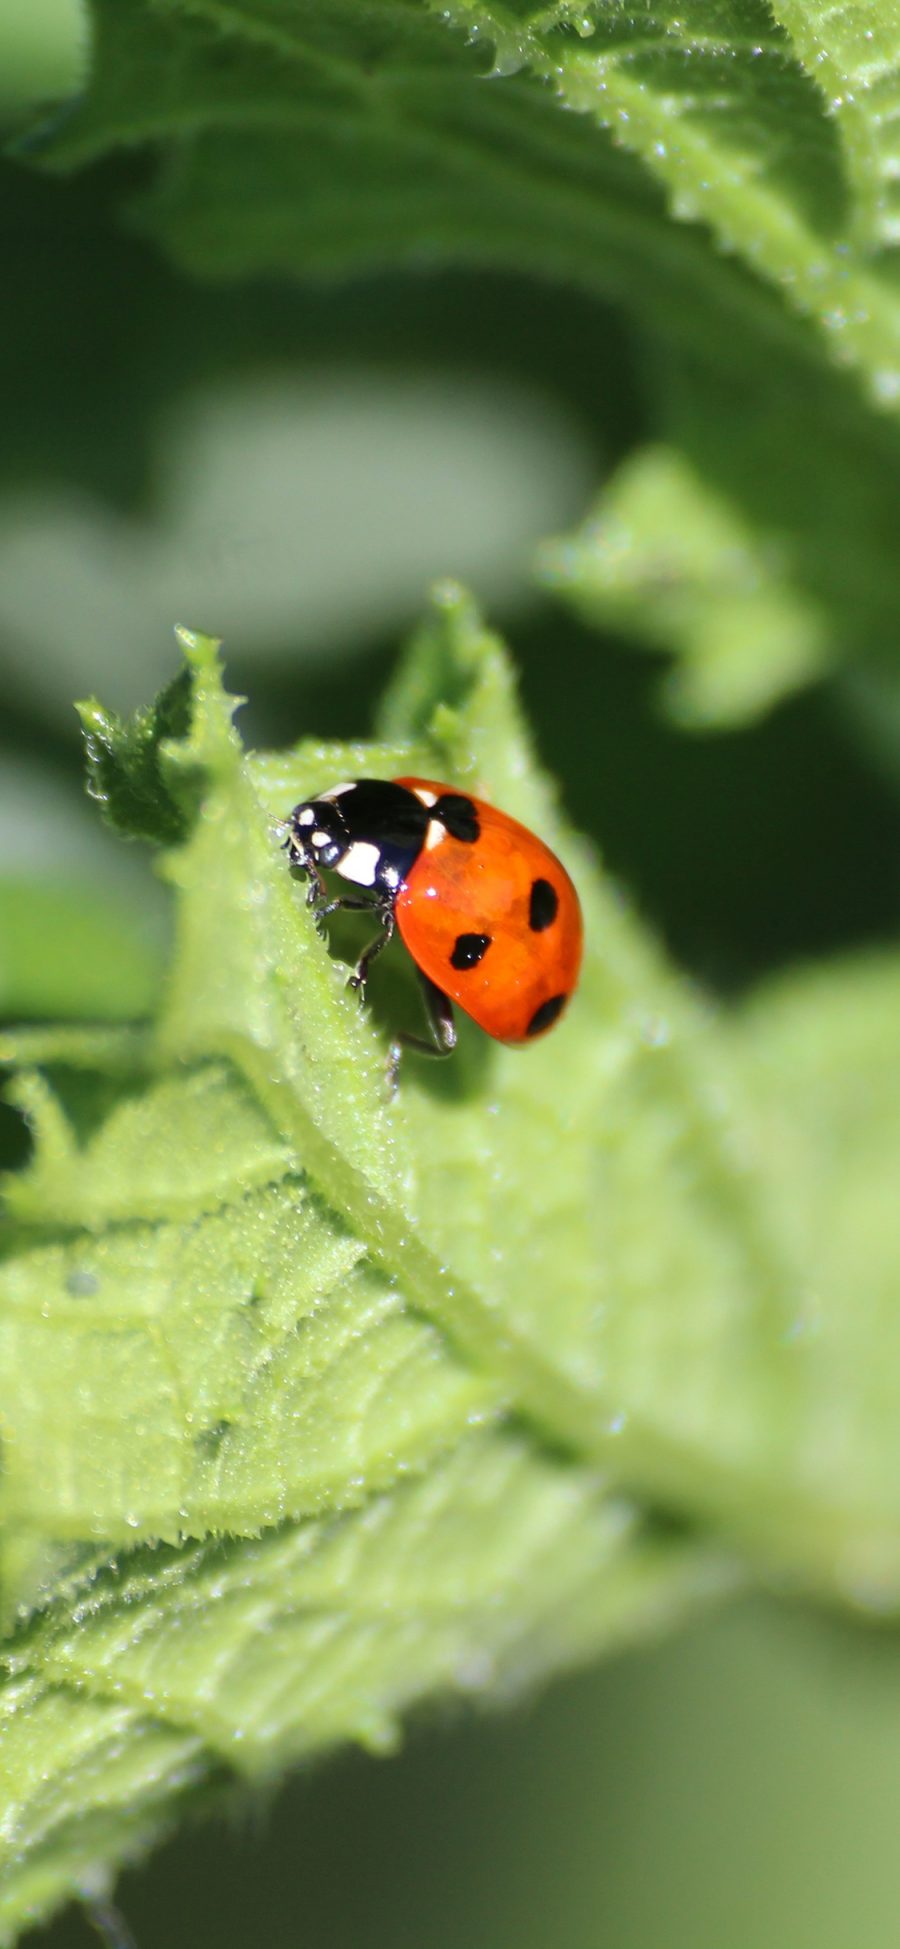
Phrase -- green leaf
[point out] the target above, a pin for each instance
(40, 54)
(126, 764)
(854, 58)
(378, 109)
(666, 559)
(819, 1058)
(755, 543)
(726, 112)
(727, 178)
(237, 1360)
(169, 1676)
(316, 1402)
(214, 1316)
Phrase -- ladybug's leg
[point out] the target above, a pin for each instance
(360, 973)
(344, 905)
(320, 914)
(439, 1009)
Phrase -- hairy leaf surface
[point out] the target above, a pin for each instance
(317, 1400)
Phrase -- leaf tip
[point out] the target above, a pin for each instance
(202, 652)
(93, 718)
(448, 595)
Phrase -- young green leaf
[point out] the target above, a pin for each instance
(756, 543)
(212, 1315)
(665, 558)
(427, 1362)
(126, 763)
(544, 1296)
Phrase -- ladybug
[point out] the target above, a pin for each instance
(489, 915)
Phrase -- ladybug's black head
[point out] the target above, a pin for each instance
(319, 831)
(371, 831)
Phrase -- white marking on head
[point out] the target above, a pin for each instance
(360, 863)
(307, 817)
(320, 838)
(424, 796)
(436, 832)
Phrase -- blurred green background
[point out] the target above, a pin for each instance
(290, 467)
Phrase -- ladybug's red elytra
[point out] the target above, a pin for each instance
(489, 915)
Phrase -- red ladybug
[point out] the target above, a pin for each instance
(488, 914)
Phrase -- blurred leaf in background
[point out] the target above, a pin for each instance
(312, 305)
(42, 55)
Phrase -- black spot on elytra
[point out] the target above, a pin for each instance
(469, 949)
(457, 816)
(545, 1016)
(543, 906)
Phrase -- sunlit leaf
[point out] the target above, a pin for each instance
(389, 1388)
(229, 1307)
